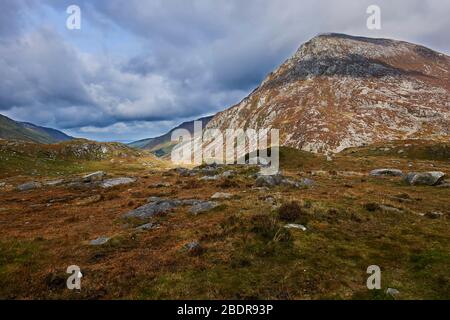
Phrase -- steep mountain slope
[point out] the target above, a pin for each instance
(340, 91)
(162, 145)
(14, 130)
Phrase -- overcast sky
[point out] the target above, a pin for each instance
(138, 67)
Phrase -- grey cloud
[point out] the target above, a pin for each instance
(195, 57)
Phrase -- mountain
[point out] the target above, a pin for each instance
(339, 91)
(14, 130)
(162, 145)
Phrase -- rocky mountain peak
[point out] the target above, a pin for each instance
(340, 91)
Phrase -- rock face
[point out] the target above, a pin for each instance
(339, 91)
(424, 178)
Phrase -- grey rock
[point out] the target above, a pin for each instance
(209, 171)
(29, 186)
(228, 174)
(186, 172)
(276, 180)
(269, 181)
(203, 207)
(295, 226)
(93, 177)
(209, 178)
(152, 209)
(148, 226)
(117, 182)
(154, 199)
(386, 172)
(99, 241)
(221, 195)
(431, 178)
(53, 183)
(392, 292)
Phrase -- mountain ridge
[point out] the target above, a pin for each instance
(25, 131)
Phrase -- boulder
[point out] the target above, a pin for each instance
(386, 172)
(94, 177)
(158, 205)
(153, 208)
(222, 195)
(228, 174)
(269, 181)
(99, 241)
(117, 182)
(29, 186)
(431, 178)
(147, 226)
(276, 180)
(392, 292)
(203, 207)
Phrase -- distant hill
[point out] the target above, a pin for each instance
(24, 131)
(162, 145)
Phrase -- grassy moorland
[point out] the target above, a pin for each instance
(352, 221)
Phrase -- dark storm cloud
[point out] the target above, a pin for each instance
(182, 59)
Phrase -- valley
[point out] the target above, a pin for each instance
(222, 232)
